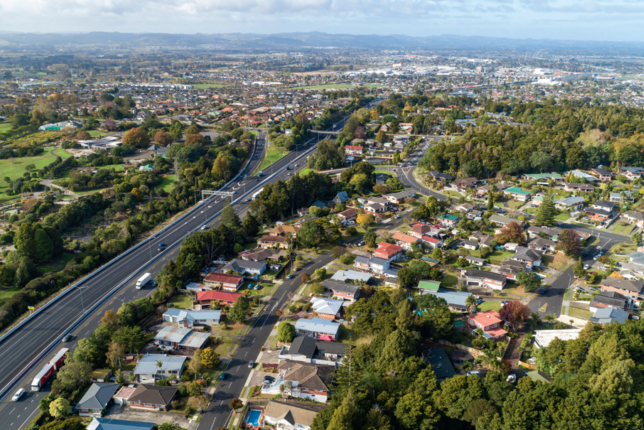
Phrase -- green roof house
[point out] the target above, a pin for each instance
(517, 193)
(429, 285)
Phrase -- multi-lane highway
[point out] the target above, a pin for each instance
(26, 343)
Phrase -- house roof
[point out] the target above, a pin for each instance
(450, 217)
(609, 315)
(401, 195)
(98, 396)
(624, 284)
(182, 336)
(609, 206)
(275, 239)
(125, 392)
(237, 265)
(303, 345)
(326, 306)
(503, 219)
(570, 201)
(609, 298)
(282, 229)
(349, 213)
(516, 190)
(536, 375)
(341, 287)
(342, 196)
(189, 314)
(369, 261)
(639, 216)
(387, 248)
(224, 278)
(353, 275)
(439, 361)
(153, 394)
(543, 175)
(112, 424)
(544, 337)
(218, 296)
(528, 254)
(402, 237)
(472, 273)
(453, 298)
(486, 318)
(148, 364)
(318, 325)
(311, 376)
(300, 413)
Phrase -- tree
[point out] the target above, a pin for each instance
(579, 270)
(229, 217)
(236, 404)
(512, 232)
(394, 184)
(170, 425)
(437, 254)
(529, 280)
(319, 273)
(547, 211)
(84, 135)
(209, 358)
(462, 263)
(569, 242)
(338, 251)
(163, 138)
(310, 234)
(68, 424)
(285, 332)
(636, 239)
(470, 301)
(60, 408)
(73, 374)
(515, 313)
(364, 220)
(114, 354)
(370, 239)
(195, 362)
(136, 138)
(239, 311)
(381, 189)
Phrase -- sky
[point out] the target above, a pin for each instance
(607, 20)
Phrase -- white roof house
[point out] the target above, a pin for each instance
(542, 338)
(326, 306)
(171, 366)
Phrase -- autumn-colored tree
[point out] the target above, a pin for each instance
(569, 242)
(382, 189)
(136, 138)
(115, 353)
(512, 232)
(364, 219)
(194, 139)
(110, 318)
(235, 404)
(515, 313)
(83, 135)
(162, 138)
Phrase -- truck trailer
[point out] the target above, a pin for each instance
(59, 358)
(41, 379)
(143, 281)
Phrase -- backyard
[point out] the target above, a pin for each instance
(487, 306)
(579, 313)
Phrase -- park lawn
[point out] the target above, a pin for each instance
(5, 295)
(489, 306)
(15, 167)
(272, 156)
(325, 87)
(167, 183)
(206, 86)
(182, 301)
(562, 217)
(56, 265)
(96, 133)
(117, 167)
(579, 313)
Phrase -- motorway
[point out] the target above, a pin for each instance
(26, 343)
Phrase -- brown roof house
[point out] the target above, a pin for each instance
(290, 416)
(272, 241)
(310, 381)
(152, 397)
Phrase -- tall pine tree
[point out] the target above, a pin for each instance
(547, 211)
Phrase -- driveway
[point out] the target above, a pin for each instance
(128, 414)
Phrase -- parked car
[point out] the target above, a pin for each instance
(256, 287)
(289, 277)
(543, 291)
(222, 376)
(473, 372)
(18, 395)
(586, 267)
(361, 243)
(511, 379)
(251, 364)
(250, 286)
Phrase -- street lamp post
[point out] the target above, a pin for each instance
(81, 295)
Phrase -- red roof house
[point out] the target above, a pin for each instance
(226, 282)
(223, 297)
(388, 251)
(490, 322)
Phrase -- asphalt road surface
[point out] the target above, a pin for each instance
(24, 345)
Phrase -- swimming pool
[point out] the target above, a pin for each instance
(254, 416)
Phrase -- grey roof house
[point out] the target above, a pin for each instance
(152, 397)
(96, 399)
(244, 267)
(148, 368)
(188, 318)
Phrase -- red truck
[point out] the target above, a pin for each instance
(48, 370)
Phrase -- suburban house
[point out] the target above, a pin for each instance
(490, 322)
(476, 261)
(631, 172)
(631, 289)
(283, 230)
(570, 203)
(188, 318)
(262, 254)
(510, 269)
(462, 185)
(542, 177)
(341, 197)
(224, 281)
(484, 279)
(516, 193)
(433, 242)
(441, 177)
(179, 337)
(349, 214)
(586, 176)
(379, 200)
(578, 186)
(342, 276)
(96, 399)
(342, 290)
(502, 221)
(372, 264)
(310, 381)
(610, 315)
(437, 359)
(461, 207)
(112, 424)
(542, 338)
(290, 416)
(624, 196)
(607, 299)
(455, 299)
(528, 256)
(353, 150)
(329, 309)
(482, 238)
(449, 220)
(598, 215)
(543, 245)
(634, 217)
(609, 207)
(271, 241)
(152, 397)
(397, 198)
(404, 240)
(601, 173)
(122, 396)
(426, 286)
(306, 349)
(388, 251)
(470, 244)
(148, 368)
(552, 233)
(318, 328)
(374, 208)
(205, 298)
(244, 267)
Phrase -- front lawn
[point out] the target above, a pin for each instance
(579, 313)
(182, 301)
(562, 217)
(6, 294)
(489, 306)
(498, 256)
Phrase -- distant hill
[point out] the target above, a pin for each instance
(312, 40)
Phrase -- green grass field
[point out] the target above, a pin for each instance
(305, 171)
(96, 133)
(180, 301)
(272, 155)
(7, 294)
(206, 86)
(325, 87)
(579, 313)
(167, 183)
(487, 306)
(117, 167)
(5, 126)
(562, 217)
(15, 167)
